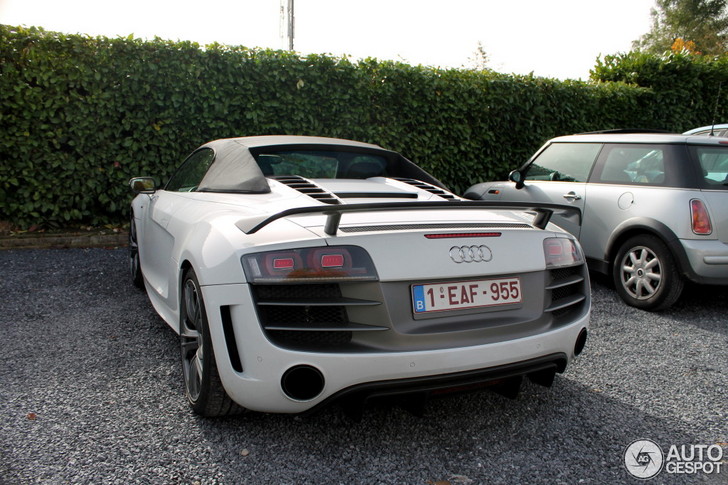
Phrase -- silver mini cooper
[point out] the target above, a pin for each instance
(655, 207)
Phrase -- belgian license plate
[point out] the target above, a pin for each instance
(461, 295)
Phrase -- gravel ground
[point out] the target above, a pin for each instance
(91, 392)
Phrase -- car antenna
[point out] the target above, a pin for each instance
(715, 111)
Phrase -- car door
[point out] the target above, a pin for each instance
(630, 181)
(157, 241)
(557, 175)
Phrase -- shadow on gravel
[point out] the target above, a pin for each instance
(91, 392)
(570, 434)
(702, 306)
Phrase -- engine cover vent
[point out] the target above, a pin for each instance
(428, 187)
(307, 187)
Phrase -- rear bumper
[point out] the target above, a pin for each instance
(541, 368)
(707, 261)
(256, 384)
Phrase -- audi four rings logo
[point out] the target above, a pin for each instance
(471, 254)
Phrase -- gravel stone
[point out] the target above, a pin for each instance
(91, 392)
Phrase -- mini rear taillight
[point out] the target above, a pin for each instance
(700, 218)
(334, 263)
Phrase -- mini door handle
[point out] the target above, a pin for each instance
(572, 196)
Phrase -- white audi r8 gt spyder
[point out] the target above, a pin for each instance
(299, 271)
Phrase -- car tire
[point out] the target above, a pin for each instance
(645, 274)
(134, 266)
(203, 386)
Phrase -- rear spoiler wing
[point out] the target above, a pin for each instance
(333, 213)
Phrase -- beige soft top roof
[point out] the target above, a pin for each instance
(235, 169)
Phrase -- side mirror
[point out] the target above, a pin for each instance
(517, 177)
(143, 185)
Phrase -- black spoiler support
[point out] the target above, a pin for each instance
(543, 211)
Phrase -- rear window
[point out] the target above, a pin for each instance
(315, 164)
(714, 165)
(633, 164)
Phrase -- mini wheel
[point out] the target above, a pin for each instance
(645, 274)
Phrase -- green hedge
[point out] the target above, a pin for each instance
(693, 88)
(81, 115)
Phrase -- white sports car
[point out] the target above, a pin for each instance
(302, 270)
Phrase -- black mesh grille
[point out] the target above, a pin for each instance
(303, 316)
(265, 292)
(297, 316)
(310, 340)
(563, 273)
(568, 291)
(561, 293)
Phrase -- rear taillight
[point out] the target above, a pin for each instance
(335, 263)
(332, 260)
(561, 251)
(700, 218)
(281, 262)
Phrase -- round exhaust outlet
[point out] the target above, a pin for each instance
(302, 382)
(580, 342)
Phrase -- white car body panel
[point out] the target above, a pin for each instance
(212, 232)
(257, 387)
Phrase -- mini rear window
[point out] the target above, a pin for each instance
(634, 164)
(714, 165)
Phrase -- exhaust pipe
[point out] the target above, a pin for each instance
(302, 382)
(580, 342)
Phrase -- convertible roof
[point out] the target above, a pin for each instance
(234, 168)
(273, 140)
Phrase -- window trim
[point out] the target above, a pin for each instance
(184, 163)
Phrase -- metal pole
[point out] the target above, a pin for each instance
(291, 22)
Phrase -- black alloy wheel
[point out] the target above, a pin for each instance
(203, 387)
(134, 266)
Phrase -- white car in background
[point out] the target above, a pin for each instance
(710, 130)
(300, 271)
